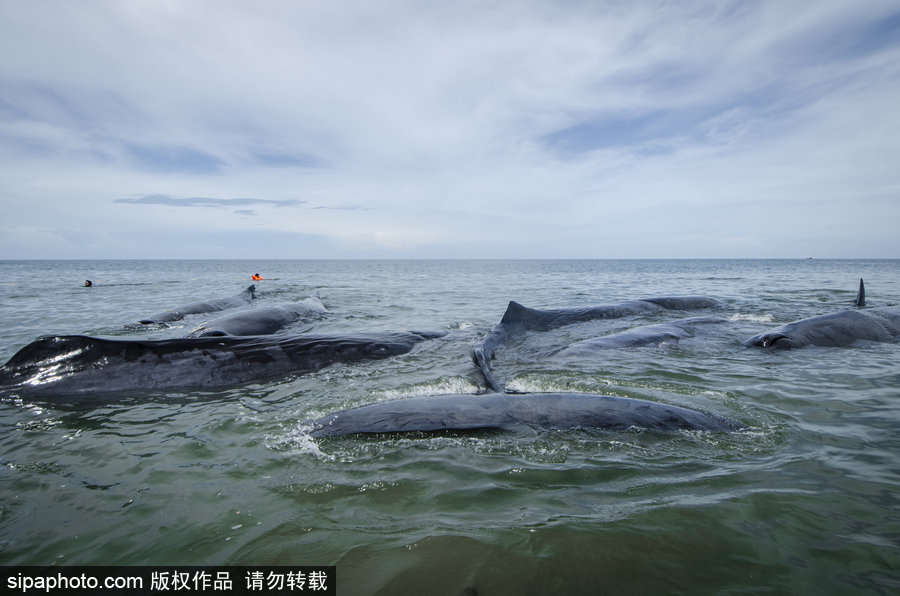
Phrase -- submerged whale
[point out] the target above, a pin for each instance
(504, 411)
(835, 329)
(260, 321)
(518, 319)
(212, 305)
(78, 365)
(643, 336)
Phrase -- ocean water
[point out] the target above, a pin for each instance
(805, 501)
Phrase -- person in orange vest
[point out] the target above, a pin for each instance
(256, 277)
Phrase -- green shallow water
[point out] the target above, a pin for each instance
(805, 501)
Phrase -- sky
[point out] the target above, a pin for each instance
(467, 129)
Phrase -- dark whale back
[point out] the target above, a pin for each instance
(504, 411)
(518, 320)
(80, 365)
(212, 305)
(644, 335)
(835, 329)
(261, 321)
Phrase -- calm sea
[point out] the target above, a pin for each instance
(805, 502)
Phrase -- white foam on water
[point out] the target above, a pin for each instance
(756, 318)
(296, 441)
(441, 386)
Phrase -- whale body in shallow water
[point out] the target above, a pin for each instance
(518, 319)
(504, 411)
(646, 335)
(260, 321)
(212, 305)
(78, 365)
(835, 329)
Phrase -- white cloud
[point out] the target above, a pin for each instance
(530, 129)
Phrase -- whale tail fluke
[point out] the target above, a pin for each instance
(861, 295)
(482, 360)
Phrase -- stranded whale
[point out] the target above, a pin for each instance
(518, 319)
(260, 321)
(643, 336)
(212, 305)
(501, 410)
(835, 329)
(72, 365)
(504, 411)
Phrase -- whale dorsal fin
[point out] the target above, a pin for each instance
(861, 294)
(515, 312)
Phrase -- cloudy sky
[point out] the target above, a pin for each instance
(465, 129)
